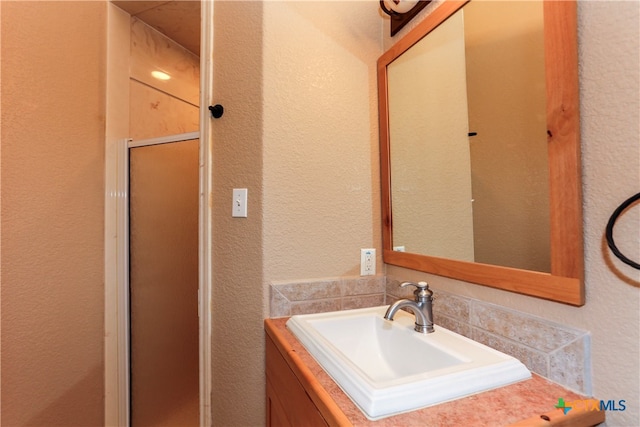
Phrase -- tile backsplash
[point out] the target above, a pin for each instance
(554, 351)
(322, 295)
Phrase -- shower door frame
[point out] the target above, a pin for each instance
(124, 332)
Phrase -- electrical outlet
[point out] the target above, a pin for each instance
(367, 262)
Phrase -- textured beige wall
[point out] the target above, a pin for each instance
(321, 195)
(610, 101)
(300, 132)
(237, 291)
(52, 212)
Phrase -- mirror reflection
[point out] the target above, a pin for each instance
(468, 139)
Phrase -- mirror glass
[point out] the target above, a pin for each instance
(469, 146)
(479, 144)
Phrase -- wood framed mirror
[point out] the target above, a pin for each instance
(561, 279)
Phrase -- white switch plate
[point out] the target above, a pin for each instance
(367, 262)
(239, 209)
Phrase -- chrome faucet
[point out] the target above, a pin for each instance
(422, 307)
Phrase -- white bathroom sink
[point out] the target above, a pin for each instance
(387, 368)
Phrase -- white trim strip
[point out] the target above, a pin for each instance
(164, 139)
(205, 216)
(122, 273)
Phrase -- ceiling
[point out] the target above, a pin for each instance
(177, 19)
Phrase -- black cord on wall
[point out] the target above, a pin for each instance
(609, 232)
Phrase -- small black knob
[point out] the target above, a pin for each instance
(216, 111)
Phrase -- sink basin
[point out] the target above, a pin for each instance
(387, 368)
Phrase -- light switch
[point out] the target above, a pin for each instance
(239, 209)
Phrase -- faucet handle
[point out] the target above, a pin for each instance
(419, 285)
(422, 288)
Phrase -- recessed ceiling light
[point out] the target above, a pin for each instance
(160, 75)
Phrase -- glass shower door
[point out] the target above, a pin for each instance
(163, 209)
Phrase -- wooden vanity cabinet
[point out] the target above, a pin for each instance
(288, 404)
(297, 397)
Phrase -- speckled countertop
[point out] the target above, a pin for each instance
(500, 407)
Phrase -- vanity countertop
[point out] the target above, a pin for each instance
(520, 404)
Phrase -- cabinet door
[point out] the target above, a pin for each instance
(288, 404)
(276, 413)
